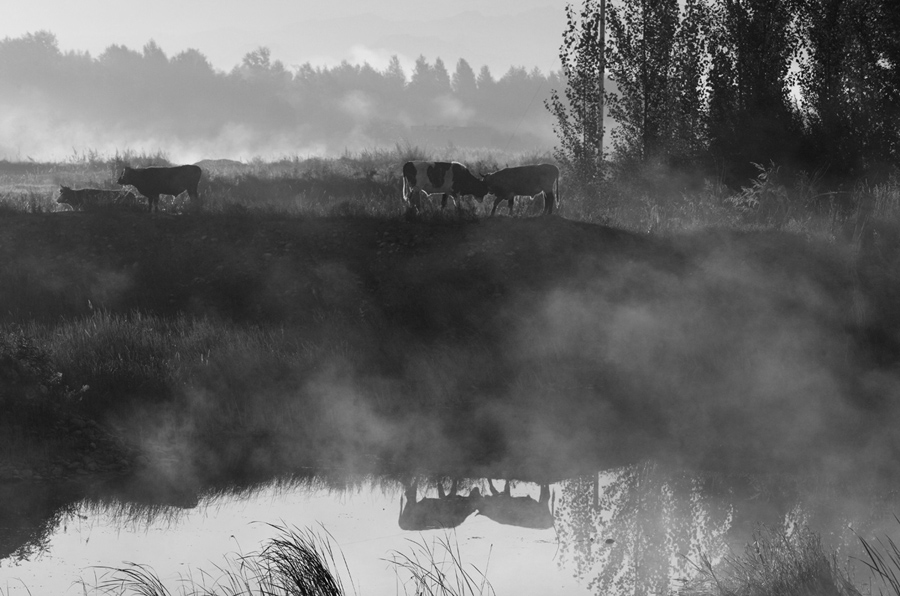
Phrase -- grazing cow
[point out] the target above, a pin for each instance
(524, 512)
(428, 513)
(508, 183)
(155, 181)
(86, 199)
(433, 177)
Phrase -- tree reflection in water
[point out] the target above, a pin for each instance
(641, 529)
(637, 529)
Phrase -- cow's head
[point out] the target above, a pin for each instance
(66, 195)
(125, 177)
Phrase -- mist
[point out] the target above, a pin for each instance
(58, 103)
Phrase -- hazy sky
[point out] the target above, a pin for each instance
(498, 34)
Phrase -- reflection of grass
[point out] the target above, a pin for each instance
(774, 564)
(437, 569)
(294, 563)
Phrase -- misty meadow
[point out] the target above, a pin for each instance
(696, 353)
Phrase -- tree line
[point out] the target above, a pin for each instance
(718, 85)
(146, 95)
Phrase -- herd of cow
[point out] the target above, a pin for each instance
(454, 179)
(419, 177)
(149, 182)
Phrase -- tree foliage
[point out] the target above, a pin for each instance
(579, 123)
(722, 85)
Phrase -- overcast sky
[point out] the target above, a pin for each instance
(498, 34)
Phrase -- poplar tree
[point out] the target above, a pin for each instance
(640, 61)
(579, 122)
(752, 118)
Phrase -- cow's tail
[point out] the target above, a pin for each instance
(558, 197)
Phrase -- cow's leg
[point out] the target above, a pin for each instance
(500, 198)
(411, 491)
(413, 198)
(443, 201)
(548, 202)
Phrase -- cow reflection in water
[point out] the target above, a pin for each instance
(446, 511)
(449, 510)
(525, 512)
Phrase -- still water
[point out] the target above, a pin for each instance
(638, 529)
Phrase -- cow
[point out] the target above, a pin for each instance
(508, 183)
(433, 177)
(428, 513)
(86, 199)
(155, 181)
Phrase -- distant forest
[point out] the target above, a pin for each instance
(127, 99)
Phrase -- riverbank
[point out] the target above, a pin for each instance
(206, 346)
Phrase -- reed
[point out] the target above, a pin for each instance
(775, 563)
(295, 562)
(437, 568)
(884, 562)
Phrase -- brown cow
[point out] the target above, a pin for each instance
(521, 181)
(155, 181)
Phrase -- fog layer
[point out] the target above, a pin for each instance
(53, 103)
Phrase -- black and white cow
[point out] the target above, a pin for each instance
(439, 177)
(521, 181)
(155, 181)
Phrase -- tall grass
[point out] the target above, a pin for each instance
(293, 563)
(437, 569)
(776, 563)
(884, 562)
(302, 563)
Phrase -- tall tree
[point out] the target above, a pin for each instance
(752, 117)
(441, 77)
(485, 80)
(579, 122)
(464, 84)
(686, 132)
(849, 84)
(640, 61)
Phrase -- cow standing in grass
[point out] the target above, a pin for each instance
(439, 177)
(87, 199)
(523, 181)
(155, 181)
